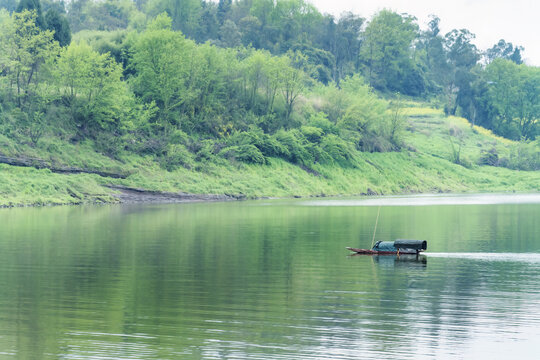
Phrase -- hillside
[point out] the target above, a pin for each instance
(427, 165)
(155, 103)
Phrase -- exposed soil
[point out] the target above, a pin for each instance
(42, 164)
(129, 195)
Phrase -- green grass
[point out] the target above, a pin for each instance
(426, 167)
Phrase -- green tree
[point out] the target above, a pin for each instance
(185, 14)
(344, 42)
(292, 83)
(161, 63)
(513, 98)
(433, 55)
(90, 85)
(229, 35)
(59, 24)
(462, 56)
(25, 50)
(386, 53)
(363, 116)
(9, 5)
(33, 5)
(504, 50)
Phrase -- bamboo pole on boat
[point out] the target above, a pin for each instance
(375, 229)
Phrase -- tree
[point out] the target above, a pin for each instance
(513, 97)
(363, 116)
(185, 14)
(91, 86)
(208, 28)
(223, 10)
(462, 56)
(345, 43)
(229, 35)
(504, 50)
(161, 63)
(433, 54)
(59, 24)
(25, 49)
(386, 53)
(292, 83)
(9, 5)
(33, 5)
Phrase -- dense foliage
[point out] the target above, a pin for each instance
(185, 81)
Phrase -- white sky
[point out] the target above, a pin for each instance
(516, 21)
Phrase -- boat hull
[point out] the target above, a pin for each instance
(375, 252)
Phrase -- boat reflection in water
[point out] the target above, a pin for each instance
(403, 260)
(409, 261)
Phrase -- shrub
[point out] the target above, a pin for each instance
(293, 141)
(177, 155)
(338, 149)
(489, 157)
(245, 153)
(320, 120)
(523, 156)
(311, 133)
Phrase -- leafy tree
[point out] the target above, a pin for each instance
(25, 49)
(59, 24)
(504, 50)
(103, 15)
(386, 53)
(363, 111)
(91, 86)
(185, 14)
(462, 56)
(211, 89)
(229, 34)
(159, 61)
(223, 11)
(9, 5)
(250, 28)
(317, 63)
(292, 83)
(344, 42)
(434, 57)
(513, 98)
(33, 5)
(208, 28)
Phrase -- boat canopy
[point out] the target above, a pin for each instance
(400, 244)
(410, 244)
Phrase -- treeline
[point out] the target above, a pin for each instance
(389, 50)
(188, 80)
(183, 102)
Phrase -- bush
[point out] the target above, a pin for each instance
(109, 144)
(311, 133)
(267, 144)
(375, 143)
(245, 153)
(320, 120)
(338, 149)
(489, 157)
(206, 150)
(294, 142)
(523, 156)
(177, 155)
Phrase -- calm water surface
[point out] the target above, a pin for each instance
(272, 280)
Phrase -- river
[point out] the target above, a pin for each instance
(271, 279)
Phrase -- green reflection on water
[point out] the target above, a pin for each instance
(264, 279)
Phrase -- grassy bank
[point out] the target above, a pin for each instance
(429, 165)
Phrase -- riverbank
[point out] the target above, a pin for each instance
(63, 173)
(381, 174)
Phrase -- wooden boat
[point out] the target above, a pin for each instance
(400, 246)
